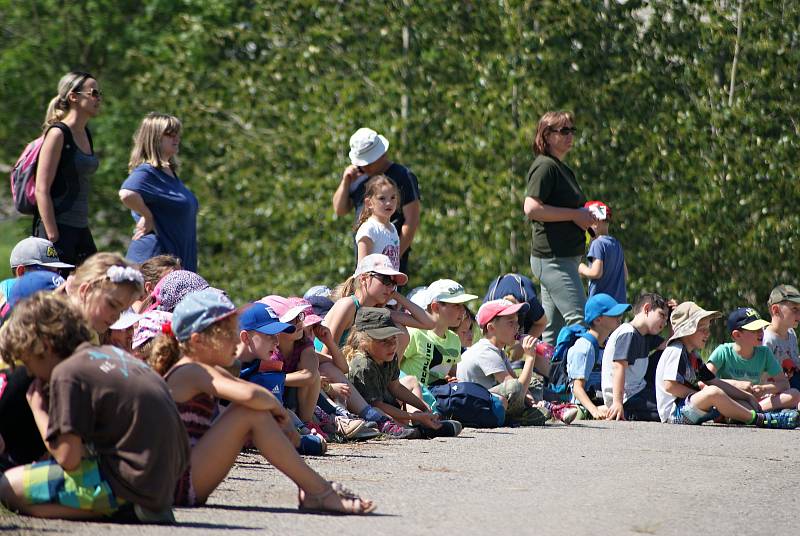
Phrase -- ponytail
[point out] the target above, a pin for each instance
(165, 350)
(58, 108)
(343, 290)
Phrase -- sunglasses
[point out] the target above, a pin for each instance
(385, 280)
(94, 93)
(564, 130)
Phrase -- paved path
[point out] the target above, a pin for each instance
(595, 478)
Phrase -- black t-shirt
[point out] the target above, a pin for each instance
(23, 442)
(407, 183)
(554, 183)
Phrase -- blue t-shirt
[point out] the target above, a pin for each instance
(582, 361)
(174, 209)
(608, 249)
(522, 289)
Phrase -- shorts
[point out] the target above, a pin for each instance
(686, 413)
(85, 488)
(184, 490)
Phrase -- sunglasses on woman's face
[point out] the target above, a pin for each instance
(94, 93)
(564, 130)
(385, 280)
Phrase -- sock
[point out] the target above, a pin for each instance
(371, 414)
(325, 404)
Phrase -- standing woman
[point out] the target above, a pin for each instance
(554, 204)
(66, 165)
(165, 210)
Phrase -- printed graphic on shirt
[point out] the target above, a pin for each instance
(117, 361)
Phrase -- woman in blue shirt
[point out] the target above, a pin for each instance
(165, 210)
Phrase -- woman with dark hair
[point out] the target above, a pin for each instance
(554, 205)
(66, 165)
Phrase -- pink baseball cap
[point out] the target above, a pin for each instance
(311, 317)
(380, 264)
(494, 308)
(283, 307)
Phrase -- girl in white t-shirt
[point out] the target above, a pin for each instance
(375, 232)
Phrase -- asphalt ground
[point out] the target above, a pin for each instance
(594, 478)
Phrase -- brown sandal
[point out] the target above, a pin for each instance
(350, 504)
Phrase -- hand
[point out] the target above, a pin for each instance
(429, 420)
(615, 412)
(350, 174)
(323, 334)
(759, 391)
(601, 413)
(53, 237)
(450, 379)
(746, 386)
(143, 227)
(528, 345)
(584, 218)
(280, 415)
(341, 391)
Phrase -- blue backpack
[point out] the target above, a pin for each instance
(274, 382)
(469, 403)
(559, 379)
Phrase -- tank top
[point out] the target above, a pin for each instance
(197, 413)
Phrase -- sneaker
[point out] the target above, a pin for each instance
(154, 517)
(365, 433)
(398, 431)
(784, 420)
(448, 429)
(565, 413)
(348, 427)
(315, 428)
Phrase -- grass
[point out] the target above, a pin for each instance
(12, 230)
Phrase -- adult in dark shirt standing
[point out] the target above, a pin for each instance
(554, 205)
(368, 157)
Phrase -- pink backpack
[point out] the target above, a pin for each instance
(23, 174)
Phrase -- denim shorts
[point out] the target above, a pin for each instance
(686, 413)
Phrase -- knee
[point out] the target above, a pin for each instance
(10, 481)
(712, 391)
(411, 382)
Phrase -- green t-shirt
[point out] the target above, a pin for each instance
(732, 366)
(430, 357)
(372, 379)
(553, 183)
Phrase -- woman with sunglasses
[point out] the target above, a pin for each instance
(554, 205)
(164, 209)
(66, 165)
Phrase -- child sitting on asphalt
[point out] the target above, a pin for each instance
(626, 391)
(607, 272)
(748, 365)
(602, 314)
(96, 408)
(486, 363)
(375, 373)
(204, 338)
(780, 336)
(432, 354)
(688, 392)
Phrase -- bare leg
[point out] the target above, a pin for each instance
(412, 384)
(356, 402)
(712, 396)
(787, 399)
(308, 393)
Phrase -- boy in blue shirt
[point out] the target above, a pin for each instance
(602, 314)
(607, 272)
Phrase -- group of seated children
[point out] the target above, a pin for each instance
(100, 360)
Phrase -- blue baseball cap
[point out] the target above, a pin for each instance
(33, 282)
(198, 310)
(261, 318)
(746, 318)
(603, 305)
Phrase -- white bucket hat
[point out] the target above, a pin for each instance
(366, 146)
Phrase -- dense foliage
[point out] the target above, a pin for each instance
(688, 116)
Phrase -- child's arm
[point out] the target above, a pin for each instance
(677, 389)
(528, 343)
(773, 386)
(328, 342)
(743, 385)
(579, 390)
(734, 392)
(66, 449)
(365, 245)
(616, 411)
(416, 317)
(307, 369)
(595, 271)
(423, 416)
(220, 384)
(338, 318)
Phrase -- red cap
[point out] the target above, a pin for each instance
(599, 209)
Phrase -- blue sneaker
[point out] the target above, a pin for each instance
(785, 419)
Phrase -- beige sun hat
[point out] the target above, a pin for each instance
(685, 318)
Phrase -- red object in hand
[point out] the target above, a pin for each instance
(544, 349)
(270, 365)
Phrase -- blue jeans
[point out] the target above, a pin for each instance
(562, 296)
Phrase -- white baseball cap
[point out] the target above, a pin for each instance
(448, 291)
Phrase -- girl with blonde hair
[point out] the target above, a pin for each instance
(66, 165)
(164, 209)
